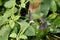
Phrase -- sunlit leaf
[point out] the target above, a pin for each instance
(8, 13)
(52, 16)
(23, 5)
(15, 18)
(11, 23)
(53, 6)
(23, 37)
(22, 1)
(14, 32)
(13, 35)
(9, 3)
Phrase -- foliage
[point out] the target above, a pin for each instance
(13, 27)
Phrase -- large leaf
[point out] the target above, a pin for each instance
(53, 6)
(24, 25)
(57, 21)
(9, 3)
(4, 18)
(4, 32)
(45, 6)
(58, 5)
(30, 31)
(9, 12)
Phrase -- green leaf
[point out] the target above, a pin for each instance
(22, 1)
(35, 16)
(13, 35)
(14, 29)
(57, 30)
(30, 31)
(58, 2)
(12, 24)
(52, 28)
(23, 37)
(16, 18)
(14, 10)
(23, 5)
(4, 32)
(8, 13)
(23, 25)
(52, 16)
(53, 6)
(14, 32)
(44, 7)
(2, 20)
(40, 34)
(1, 3)
(9, 3)
(57, 21)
